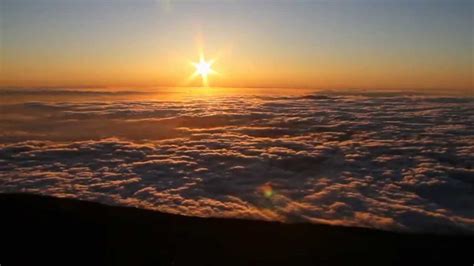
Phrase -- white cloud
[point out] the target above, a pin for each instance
(387, 162)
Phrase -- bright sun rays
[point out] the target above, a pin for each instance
(203, 69)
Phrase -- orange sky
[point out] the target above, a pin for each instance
(311, 45)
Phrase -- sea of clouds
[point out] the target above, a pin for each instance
(395, 162)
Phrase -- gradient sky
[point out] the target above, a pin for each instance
(418, 44)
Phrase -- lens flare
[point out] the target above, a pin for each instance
(267, 190)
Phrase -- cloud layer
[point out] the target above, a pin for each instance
(393, 162)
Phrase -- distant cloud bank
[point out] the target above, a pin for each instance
(397, 162)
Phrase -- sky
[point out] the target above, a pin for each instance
(334, 44)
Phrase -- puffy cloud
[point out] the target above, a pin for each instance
(390, 161)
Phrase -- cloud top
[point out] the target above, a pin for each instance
(397, 162)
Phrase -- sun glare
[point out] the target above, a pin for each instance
(203, 69)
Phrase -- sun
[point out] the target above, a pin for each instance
(203, 69)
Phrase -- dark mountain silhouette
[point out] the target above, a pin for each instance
(40, 230)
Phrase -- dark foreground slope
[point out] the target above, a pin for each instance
(38, 230)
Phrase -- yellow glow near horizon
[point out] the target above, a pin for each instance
(203, 68)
